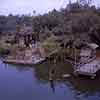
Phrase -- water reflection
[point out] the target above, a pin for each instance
(52, 85)
(18, 67)
(80, 88)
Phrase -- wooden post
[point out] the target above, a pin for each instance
(75, 54)
(75, 57)
(63, 53)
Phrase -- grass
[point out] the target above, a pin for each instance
(50, 45)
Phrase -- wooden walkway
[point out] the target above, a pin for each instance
(88, 69)
(23, 62)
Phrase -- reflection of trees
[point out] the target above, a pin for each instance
(52, 85)
(21, 67)
(86, 84)
(83, 87)
(42, 71)
(80, 87)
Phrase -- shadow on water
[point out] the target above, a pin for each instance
(19, 67)
(80, 87)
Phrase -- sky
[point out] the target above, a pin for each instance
(28, 6)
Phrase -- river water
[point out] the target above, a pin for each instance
(31, 83)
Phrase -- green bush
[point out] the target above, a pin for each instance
(4, 51)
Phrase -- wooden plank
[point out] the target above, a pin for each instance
(89, 68)
(23, 62)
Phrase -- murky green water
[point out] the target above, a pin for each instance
(31, 83)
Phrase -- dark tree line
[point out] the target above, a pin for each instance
(78, 19)
(9, 23)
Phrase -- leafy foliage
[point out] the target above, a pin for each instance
(77, 19)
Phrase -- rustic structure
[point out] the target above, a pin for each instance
(25, 36)
(88, 64)
(29, 51)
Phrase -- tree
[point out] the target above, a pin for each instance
(85, 2)
(95, 34)
(34, 12)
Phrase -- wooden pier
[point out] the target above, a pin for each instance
(89, 69)
(24, 62)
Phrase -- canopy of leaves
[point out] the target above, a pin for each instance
(77, 19)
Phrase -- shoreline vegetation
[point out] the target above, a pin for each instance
(59, 31)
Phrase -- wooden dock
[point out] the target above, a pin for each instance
(23, 62)
(88, 69)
